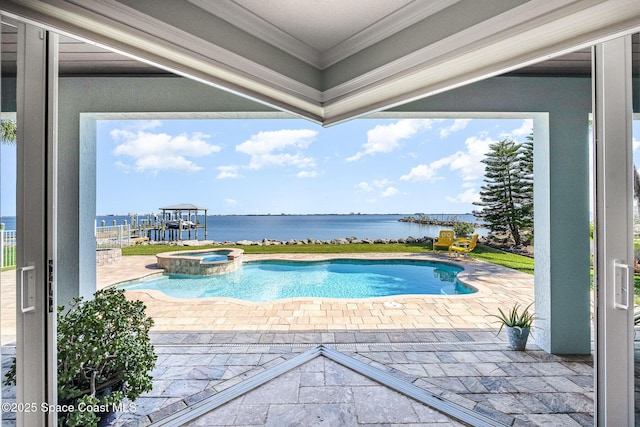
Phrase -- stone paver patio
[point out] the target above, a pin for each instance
(498, 287)
(445, 346)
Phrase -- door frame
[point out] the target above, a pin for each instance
(613, 234)
(36, 367)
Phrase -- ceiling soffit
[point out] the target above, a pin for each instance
(526, 34)
(322, 39)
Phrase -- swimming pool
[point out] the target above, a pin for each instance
(262, 281)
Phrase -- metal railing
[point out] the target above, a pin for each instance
(115, 236)
(7, 248)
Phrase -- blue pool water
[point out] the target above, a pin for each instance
(272, 280)
(212, 258)
(220, 255)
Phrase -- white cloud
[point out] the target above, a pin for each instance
(467, 163)
(636, 144)
(468, 196)
(426, 173)
(123, 166)
(383, 186)
(159, 151)
(270, 148)
(364, 186)
(380, 183)
(307, 174)
(230, 171)
(391, 191)
(458, 124)
(230, 202)
(386, 138)
(525, 129)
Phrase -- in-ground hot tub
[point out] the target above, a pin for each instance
(201, 262)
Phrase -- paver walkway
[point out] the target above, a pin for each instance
(498, 287)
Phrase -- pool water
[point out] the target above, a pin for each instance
(212, 256)
(264, 281)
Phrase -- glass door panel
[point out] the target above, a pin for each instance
(635, 73)
(8, 239)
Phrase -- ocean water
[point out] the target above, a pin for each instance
(223, 228)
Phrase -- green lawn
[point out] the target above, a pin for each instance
(506, 259)
(484, 253)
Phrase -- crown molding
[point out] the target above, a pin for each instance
(114, 26)
(171, 36)
(548, 33)
(461, 43)
(530, 33)
(251, 23)
(397, 21)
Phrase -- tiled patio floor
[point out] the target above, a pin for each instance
(445, 346)
(471, 368)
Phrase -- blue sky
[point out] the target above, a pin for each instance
(261, 166)
(293, 166)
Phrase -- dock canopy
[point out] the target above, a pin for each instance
(173, 218)
(183, 207)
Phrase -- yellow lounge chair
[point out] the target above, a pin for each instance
(463, 246)
(445, 239)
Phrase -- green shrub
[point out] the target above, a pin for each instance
(104, 355)
(463, 229)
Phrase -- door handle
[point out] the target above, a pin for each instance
(28, 281)
(622, 274)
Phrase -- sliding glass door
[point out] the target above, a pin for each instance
(30, 87)
(614, 260)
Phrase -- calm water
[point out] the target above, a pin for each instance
(272, 280)
(284, 227)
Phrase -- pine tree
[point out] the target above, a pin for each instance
(8, 130)
(526, 166)
(507, 195)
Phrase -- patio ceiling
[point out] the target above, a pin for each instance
(329, 60)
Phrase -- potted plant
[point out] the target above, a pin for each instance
(104, 356)
(518, 325)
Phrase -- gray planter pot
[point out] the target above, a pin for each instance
(517, 337)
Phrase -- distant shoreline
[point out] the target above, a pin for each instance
(286, 214)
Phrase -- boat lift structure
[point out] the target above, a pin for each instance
(181, 218)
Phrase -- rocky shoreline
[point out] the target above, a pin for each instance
(309, 241)
(426, 220)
